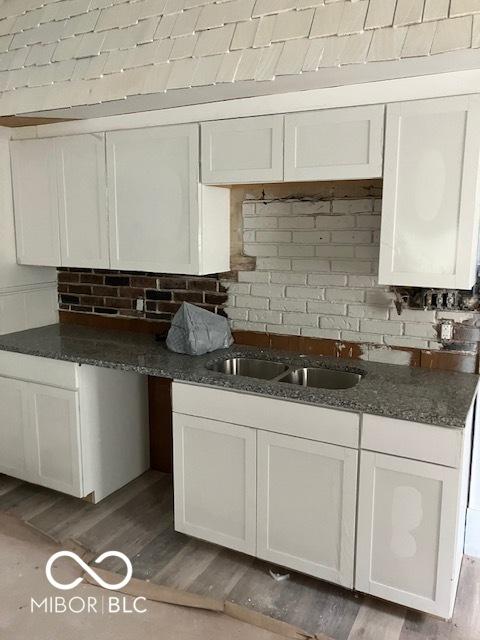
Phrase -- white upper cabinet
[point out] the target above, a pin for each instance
(161, 218)
(430, 213)
(243, 150)
(35, 192)
(82, 200)
(315, 484)
(334, 144)
(60, 201)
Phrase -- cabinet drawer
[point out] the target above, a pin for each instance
(269, 414)
(41, 370)
(412, 440)
(242, 150)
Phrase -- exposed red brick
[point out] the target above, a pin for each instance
(66, 276)
(143, 282)
(80, 288)
(94, 301)
(206, 284)
(118, 303)
(187, 296)
(91, 278)
(172, 283)
(104, 291)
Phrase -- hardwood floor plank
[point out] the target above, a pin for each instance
(222, 574)
(51, 519)
(378, 620)
(7, 483)
(78, 523)
(158, 553)
(114, 524)
(138, 520)
(188, 564)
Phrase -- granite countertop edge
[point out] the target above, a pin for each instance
(384, 390)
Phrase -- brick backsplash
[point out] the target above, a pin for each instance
(114, 293)
(316, 276)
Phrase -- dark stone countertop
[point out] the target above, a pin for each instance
(441, 398)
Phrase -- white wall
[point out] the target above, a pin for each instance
(56, 54)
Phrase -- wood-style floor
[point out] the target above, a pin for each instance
(138, 520)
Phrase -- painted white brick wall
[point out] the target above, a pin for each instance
(174, 44)
(316, 276)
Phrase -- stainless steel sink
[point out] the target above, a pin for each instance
(249, 367)
(322, 378)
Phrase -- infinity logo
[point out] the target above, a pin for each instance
(89, 570)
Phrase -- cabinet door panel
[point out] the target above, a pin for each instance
(214, 475)
(35, 191)
(82, 200)
(242, 150)
(306, 506)
(13, 428)
(406, 532)
(334, 144)
(56, 436)
(430, 209)
(153, 199)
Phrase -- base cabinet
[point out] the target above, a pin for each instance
(407, 528)
(306, 506)
(215, 485)
(381, 511)
(55, 438)
(13, 427)
(81, 430)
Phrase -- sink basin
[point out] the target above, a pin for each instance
(322, 378)
(249, 367)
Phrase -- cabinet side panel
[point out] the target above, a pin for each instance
(114, 425)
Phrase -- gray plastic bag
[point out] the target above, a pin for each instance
(195, 331)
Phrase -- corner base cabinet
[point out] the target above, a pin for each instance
(77, 429)
(382, 512)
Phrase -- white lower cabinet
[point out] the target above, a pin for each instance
(306, 506)
(55, 438)
(383, 513)
(215, 484)
(13, 427)
(77, 429)
(407, 532)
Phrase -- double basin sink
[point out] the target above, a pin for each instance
(317, 377)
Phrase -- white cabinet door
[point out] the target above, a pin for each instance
(407, 517)
(35, 192)
(334, 144)
(55, 437)
(215, 481)
(13, 428)
(243, 150)
(153, 187)
(82, 200)
(430, 211)
(306, 506)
